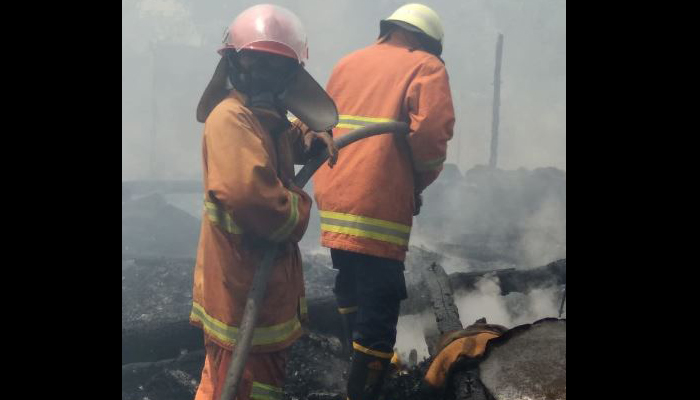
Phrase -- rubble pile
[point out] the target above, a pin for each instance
(316, 370)
(527, 362)
(156, 304)
(162, 354)
(170, 379)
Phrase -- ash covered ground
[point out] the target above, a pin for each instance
(316, 371)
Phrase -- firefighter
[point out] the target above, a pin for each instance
(367, 202)
(248, 151)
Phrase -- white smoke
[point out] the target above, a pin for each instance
(170, 21)
(410, 334)
(486, 301)
(544, 233)
(510, 310)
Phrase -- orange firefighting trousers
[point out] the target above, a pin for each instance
(263, 376)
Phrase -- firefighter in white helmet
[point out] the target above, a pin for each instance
(367, 202)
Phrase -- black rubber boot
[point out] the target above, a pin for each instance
(367, 374)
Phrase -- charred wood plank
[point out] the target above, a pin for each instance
(463, 383)
(516, 280)
(441, 298)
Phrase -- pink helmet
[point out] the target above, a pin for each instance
(268, 28)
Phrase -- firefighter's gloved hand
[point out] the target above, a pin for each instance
(316, 141)
(418, 201)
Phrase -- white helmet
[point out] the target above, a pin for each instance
(417, 18)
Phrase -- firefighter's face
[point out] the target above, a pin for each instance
(252, 60)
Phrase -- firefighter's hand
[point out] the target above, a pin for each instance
(418, 201)
(314, 141)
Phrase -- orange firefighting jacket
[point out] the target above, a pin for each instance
(245, 200)
(366, 201)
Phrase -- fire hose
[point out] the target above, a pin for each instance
(262, 274)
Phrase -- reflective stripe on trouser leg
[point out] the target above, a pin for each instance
(261, 391)
(347, 310)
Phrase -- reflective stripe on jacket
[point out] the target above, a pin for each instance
(261, 336)
(245, 202)
(366, 200)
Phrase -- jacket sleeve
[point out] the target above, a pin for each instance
(431, 114)
(243, 180)
(296, 139)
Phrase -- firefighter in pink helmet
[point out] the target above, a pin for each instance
(249, 149)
